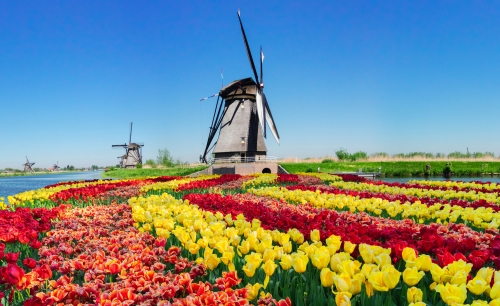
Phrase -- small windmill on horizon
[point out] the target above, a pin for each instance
(133, 152)
(27, 166)
(56, 167)
(241, 115)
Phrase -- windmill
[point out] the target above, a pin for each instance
(27, 166)
(56, 167)
(133, 152)
(241, 115)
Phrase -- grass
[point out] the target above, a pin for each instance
(134, 173)
(35, 173)
(399, 168)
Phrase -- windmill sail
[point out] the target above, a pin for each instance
(270, 121)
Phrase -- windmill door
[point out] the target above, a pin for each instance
(243, 157)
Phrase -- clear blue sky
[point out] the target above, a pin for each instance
(391, 76)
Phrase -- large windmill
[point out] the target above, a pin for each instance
(133, 152)
(241, 115)
(27, 166)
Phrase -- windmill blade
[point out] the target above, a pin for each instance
(261, 71)
(214, 95)
(261, 109)
(130, 138)
(249, 53)
(272, 125)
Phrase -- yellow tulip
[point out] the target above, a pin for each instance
(437, 273)
(315, 236)
(283, 239)
(321, 258)
(244, 248)
(326, 277)
(411, 276)
(299, 262)
(255, 258)
(376, 279)
(424, 262)
(249, 268)
(356, 283)
(342, 282)
(383, 260)
(414, 295)
(287, 247)
(343, 299)
(495, 302)
(369, 289)
(409, 254)
(460, 277)
(269, 267)
(495, 291)
(212, 261)
(335, 242)
(349, 247)
(193, 248)
(269, 254)
(391, 276)
(486, 274)
(479, 303)
(286, 262)
(477, 285)
(350, 267)
(452, 294)
(253, 291)
(417, 304)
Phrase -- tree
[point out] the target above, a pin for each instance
(94, 167)
(164, 158)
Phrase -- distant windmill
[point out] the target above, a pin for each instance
(27, 166)
(56, 167)
(241, 115)
(133, 152)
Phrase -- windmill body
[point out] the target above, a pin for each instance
(133, 153)
(241, 115)
(240, 134)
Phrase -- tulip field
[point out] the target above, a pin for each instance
(266, 239)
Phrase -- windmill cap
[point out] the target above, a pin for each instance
(233, 88)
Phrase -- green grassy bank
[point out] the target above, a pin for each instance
(35, 173)
(133, 173)
(399, 168)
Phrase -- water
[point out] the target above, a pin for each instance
(16, 184)
(492, 179)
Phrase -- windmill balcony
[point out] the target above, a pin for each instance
(239, 159)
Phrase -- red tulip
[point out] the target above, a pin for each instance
(29, 262)
(13, 274)
(11, 257)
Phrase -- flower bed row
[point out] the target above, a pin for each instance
(402, 198)
(481, 218)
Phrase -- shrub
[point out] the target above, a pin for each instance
(342, 154)
(327, 160)
(380, 154)
(151, 163)
(138, 166)
(358, 155)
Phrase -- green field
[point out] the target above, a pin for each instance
(399, 168)
(134, 173)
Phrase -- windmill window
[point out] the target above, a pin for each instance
(242, 140)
